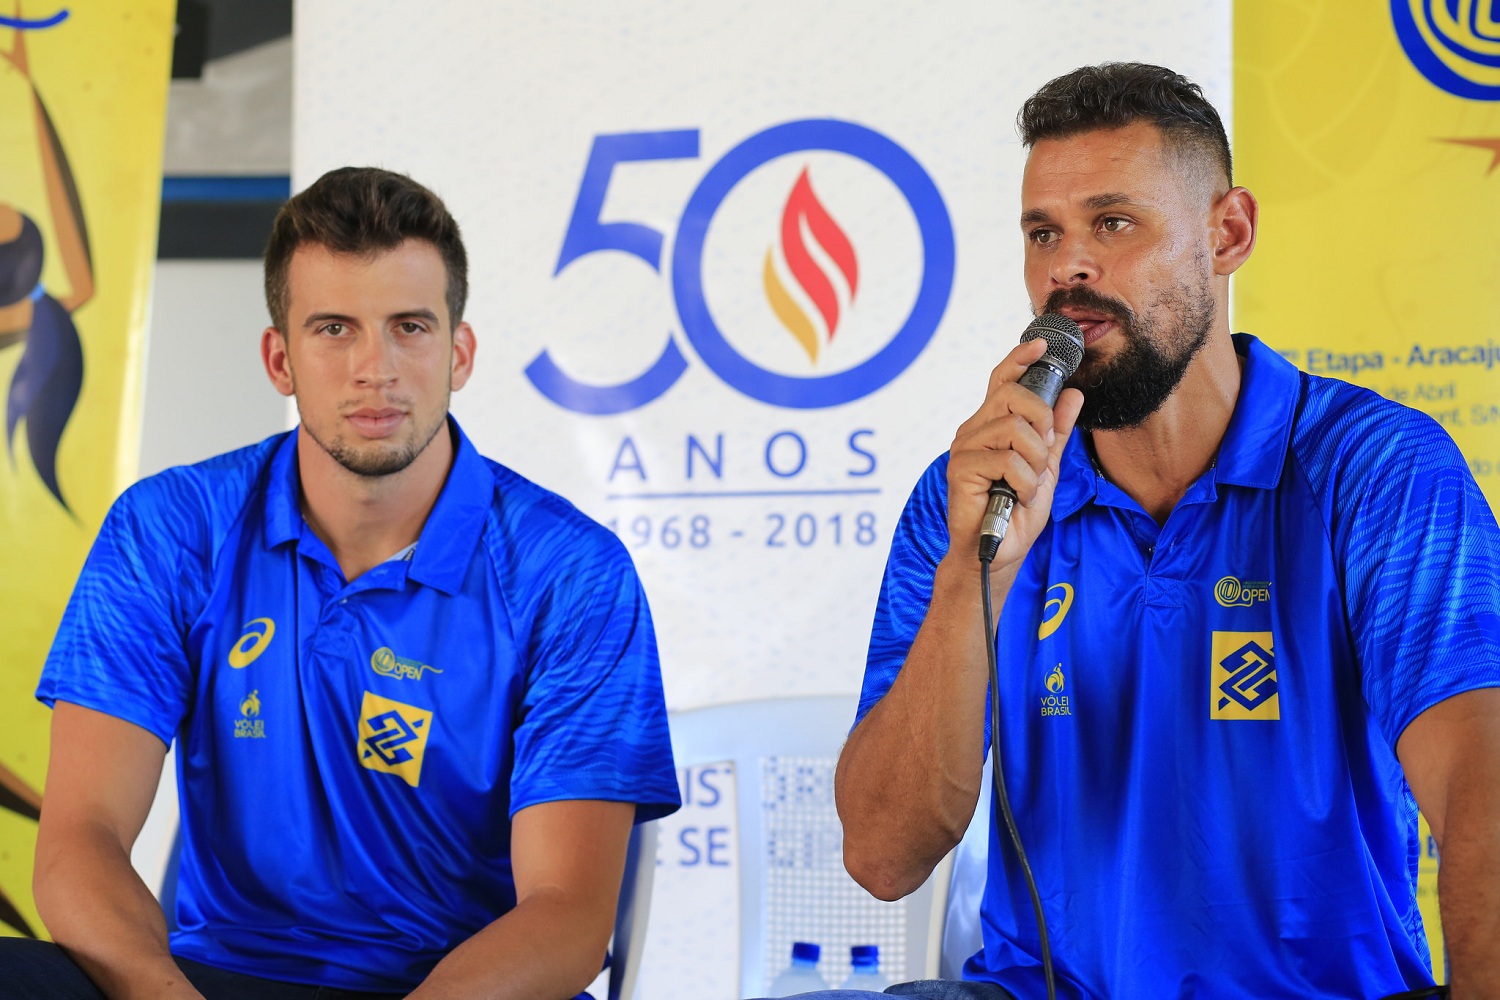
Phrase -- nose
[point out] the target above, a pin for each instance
(374, 361)
(1073, 263)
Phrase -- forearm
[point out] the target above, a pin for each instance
(100, 912)
(1469, 893)
(909, 777)
(548, 948)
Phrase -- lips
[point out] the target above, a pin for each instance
(1093, 324)
(372, 422)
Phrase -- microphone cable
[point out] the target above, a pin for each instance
(1002, 800)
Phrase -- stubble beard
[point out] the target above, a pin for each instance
(378, 459)
(1128, 388)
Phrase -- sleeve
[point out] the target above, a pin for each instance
(919, 544)
(1421, 556)
(593, 720)
(121, 648)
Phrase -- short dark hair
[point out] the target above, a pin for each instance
(362, 211)
(1113, 95)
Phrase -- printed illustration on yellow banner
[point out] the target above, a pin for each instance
(1364, 129)
(82, 105)
(1244, 684)
(393, 737)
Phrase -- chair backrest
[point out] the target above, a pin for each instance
(793, 886)
(961, 935)
(631, 914)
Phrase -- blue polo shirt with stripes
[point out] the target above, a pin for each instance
(1200, 717)
(350, 755)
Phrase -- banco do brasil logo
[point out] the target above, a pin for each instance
(809, 312)
(1455, 44)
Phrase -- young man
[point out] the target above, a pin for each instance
(416, 697)
(1263, 607)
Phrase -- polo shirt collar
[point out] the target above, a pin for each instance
(1253, 451)
(1254, 448)
(448, 540)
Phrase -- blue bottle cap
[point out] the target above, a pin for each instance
(864, 954)
(805, 952)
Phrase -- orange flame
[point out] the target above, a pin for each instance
(802, 205)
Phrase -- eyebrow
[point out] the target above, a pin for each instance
(326, 317)
(1109, 199)
(330, 317)
(426, 314)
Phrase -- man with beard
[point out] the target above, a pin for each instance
(1248, 620)
(415, 696)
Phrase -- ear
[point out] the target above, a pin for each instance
(463, 356)
(1236, 216)
(273, 354)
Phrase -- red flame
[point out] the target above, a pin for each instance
(803, 204)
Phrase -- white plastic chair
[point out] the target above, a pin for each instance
(793, 886)
(970, 867)
(631, 914)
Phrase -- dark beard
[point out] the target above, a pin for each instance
(1125, 390)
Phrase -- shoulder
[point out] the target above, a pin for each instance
(932, 486)
(532, 527)
(194, 505)
(1347, 437)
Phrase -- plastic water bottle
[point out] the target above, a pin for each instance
(866, 974)
(802, 975)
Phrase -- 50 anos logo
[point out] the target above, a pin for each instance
(1455, 44)
(811, 278)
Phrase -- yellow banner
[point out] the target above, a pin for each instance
(83, 90)
(1370, 132)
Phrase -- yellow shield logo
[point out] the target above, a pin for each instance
(393, 737)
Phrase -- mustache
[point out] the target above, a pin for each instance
(1084, 297)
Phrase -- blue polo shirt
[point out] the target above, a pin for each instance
(350, 755)
(1200, 717)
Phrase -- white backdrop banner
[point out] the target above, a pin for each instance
(739, 271)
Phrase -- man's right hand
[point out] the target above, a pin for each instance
(1013, 436)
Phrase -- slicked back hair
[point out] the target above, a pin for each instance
(362, 211)
(1113, 95)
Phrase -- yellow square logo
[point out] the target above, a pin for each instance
(1244, 677)
(393, 737)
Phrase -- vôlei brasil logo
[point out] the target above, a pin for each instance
(812, 276)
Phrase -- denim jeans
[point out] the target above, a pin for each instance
(922, 989)
(39, 970)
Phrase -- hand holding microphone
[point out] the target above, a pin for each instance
(1002, 449)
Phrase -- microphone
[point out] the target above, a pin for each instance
(1045, 377)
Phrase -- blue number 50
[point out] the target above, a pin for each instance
(587, 234)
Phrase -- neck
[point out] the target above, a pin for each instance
(1156, 462)
(364, 520)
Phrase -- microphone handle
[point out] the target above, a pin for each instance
(1045, 378)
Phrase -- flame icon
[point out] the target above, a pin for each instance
(803, 206)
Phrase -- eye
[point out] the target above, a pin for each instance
(333, 329)
(1114, 224)
(411, 327)
(1043, 237)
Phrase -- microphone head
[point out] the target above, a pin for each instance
(1064, 340)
